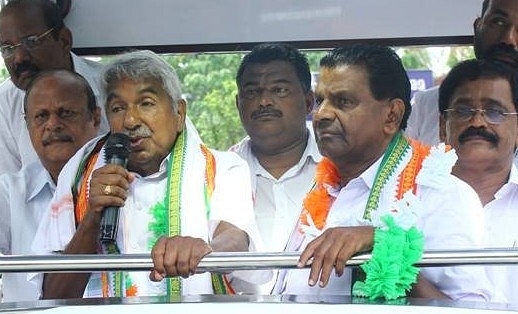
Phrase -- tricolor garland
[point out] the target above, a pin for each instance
(166, 219)
(390, 272)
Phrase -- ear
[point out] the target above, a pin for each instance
(309, 98)
(442, 128)
(65, 38)
(396, 110)
(476, 23)
(182, 110)
(97, 117)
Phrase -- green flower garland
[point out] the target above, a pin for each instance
(158, 224)
(390, 271)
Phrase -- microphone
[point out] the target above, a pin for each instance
(116, 151)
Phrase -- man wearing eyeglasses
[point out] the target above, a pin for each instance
(33, 38)
(478, 102)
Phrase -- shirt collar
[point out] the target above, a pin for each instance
(513, 176)
(39, 180)
(369, 175)
(244, 149)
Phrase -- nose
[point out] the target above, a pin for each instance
(131, 118)
(265, 98)
(53, 123)
(323, 111)
(20, 54)
(478, 119)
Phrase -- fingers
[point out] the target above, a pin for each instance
(177, 256)
(157, 255)
(332, 250)
(108, 187)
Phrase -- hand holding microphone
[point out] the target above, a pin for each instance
(116, 151)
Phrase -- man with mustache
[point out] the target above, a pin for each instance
(274, 99)
(478, 102)
(61, 116)
(33, 38)
(496, 37)
(177, 199)
(378, 190)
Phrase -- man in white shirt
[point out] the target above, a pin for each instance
(274, 99)
(61, 116)
(495, 37)
(177, 199)
(375, 181)
(33, 38)
(478, 102)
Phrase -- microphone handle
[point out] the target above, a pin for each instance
(110, 215)
(109, 224)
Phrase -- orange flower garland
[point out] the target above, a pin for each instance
(318, 202)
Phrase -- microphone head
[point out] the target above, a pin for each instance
(118, 146)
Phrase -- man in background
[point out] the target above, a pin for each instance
(33, 38)
(61, 116)
(274, 99)
(478, 102)
(496, 37)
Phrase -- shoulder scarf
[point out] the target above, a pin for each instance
(318, 202)
(166, 219)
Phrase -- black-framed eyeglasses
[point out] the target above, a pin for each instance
(491, 115)
(29, 43)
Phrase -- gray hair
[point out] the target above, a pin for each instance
(139, 66)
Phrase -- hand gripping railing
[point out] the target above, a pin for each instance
(223, 262)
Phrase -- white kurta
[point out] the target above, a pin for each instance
(501, 232)
(24, 198)
(231, 201)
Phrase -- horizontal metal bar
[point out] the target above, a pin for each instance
(223, 262)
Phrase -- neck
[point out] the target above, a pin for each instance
(69, 65)
(54, 171)
(486, 179)
(351, 168)
(277, 162)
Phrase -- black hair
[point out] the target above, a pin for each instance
(268, 52)
(475, 69)
(386, 75)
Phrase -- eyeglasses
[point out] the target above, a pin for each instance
(29, 43)
(491, 115)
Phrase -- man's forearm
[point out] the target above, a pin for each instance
(72, 285)
(425, 289)
(229, 238)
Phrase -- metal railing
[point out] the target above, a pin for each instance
(222, 262)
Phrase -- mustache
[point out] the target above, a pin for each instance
(490, 137)
(56, 137)
(266, 110)
(141, 131)
(25, 66)
(502, 49)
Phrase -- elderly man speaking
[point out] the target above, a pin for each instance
(177, 198)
